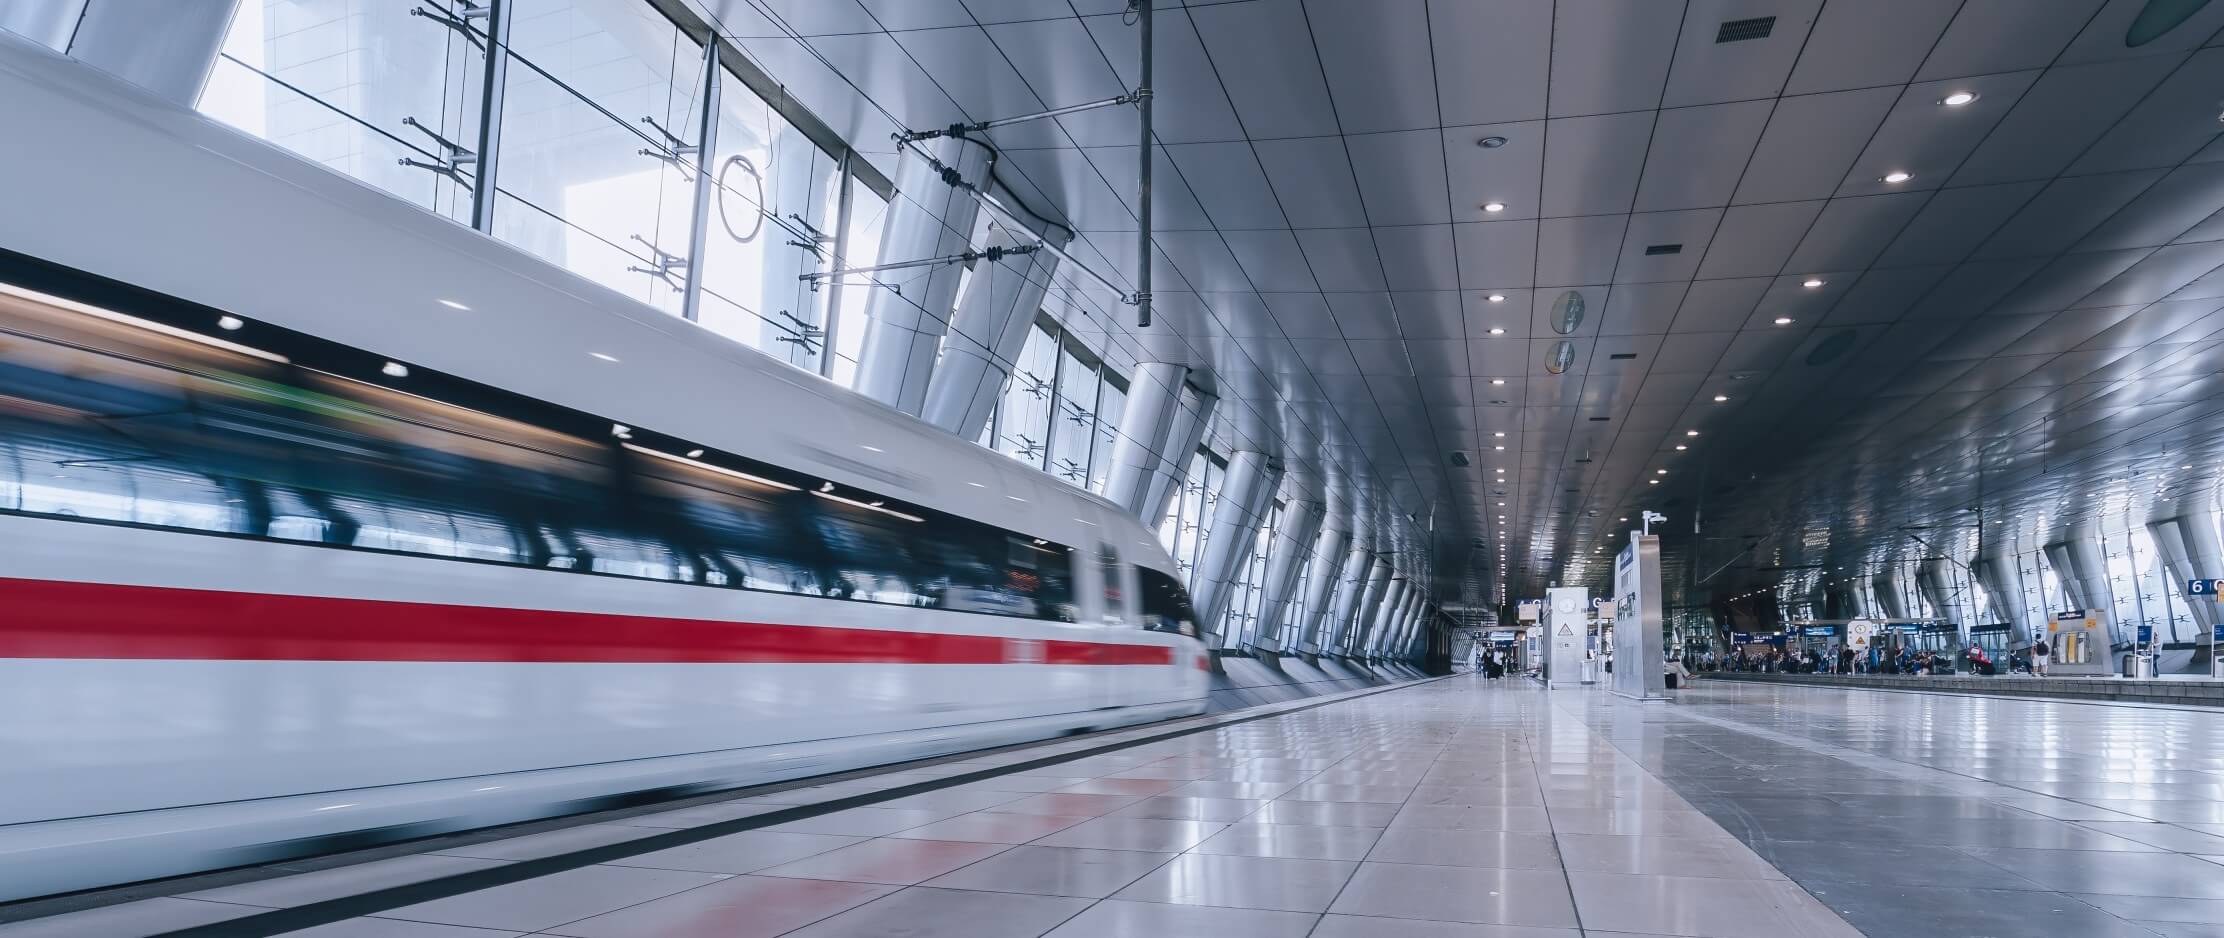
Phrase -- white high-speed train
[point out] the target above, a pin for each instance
(324, 520)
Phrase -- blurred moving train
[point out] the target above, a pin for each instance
(326, 521)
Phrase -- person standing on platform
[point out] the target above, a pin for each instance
(2040, 653)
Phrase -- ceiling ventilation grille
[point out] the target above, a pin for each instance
(1741, 30)
(1622, 356)
(1655, 250)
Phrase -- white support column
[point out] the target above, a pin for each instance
(1357, 567)
(1153, 408)
(46, 22)
(1370, 602)
(2189, 549)
(167, 47)
(1930, 577)
(929, 218)
(1408, 626)
(1321, 574)
(1386, 614)
(1245, 497)
(1996, 572)
(1191, 419)
(2083, 569)
(1301, 525)
(987, 333)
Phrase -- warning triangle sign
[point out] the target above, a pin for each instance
(1566, 629)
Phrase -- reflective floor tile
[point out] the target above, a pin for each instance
(144, 917)
(1134, 833)
(742, 907)
(2109, 872)
(1022, 783)
(1494, 849)
(924, 912)
(2199, 911)
(1470, 818)
(1376, 794)
(1293, 841)
(1459, 894)
(1713, 908)
(1244, 882)
(1124, 786)
(890, 860)
(1325, 813)
(746, 852)
(1250, 791)
(1522, 797)
(1055, 871)
(550, 843)
(1068, 804)
(1191, 809)
(391, 928)
(992, 827)
(2165, 836)
(1114, 918)
(320, 885)
(555, 899)
(1928, 912)
(950, 802)
(1662, 822)
(1364, 926)
(1717, 858)
(862, 822)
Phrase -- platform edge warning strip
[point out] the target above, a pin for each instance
(281, 921)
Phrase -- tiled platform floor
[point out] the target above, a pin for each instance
(1456, 809)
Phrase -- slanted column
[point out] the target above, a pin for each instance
(987, 333)
(1321, 574)
(1377, 624)
(2083, 569)
(1301, 524)
(930, 217)
(1930, 577)
(2188, 546)
(1370, 601)
(1393, 617)
(1409, 620)
(46, 22)
(1191, 419)
(1996, 572)
(167, 47)
(1886, 586)
(1153, 409)
(1358, 566)
(1245, 495)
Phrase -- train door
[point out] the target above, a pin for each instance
(1115, 587)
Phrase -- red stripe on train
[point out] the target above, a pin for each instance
(55, 619)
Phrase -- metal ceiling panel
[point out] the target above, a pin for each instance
(1664, 246)
(2169, 126)
(1381, 356)
(1884, 294)
(1851, 233)
(1497, 254)
(1273, 261)
(1227, 182)
(2183, 199)
(1278, 93)
(1510, 173)
(1697, 154)
(2064, 212)
(2065, 111)
(1201, 112)
(1720, 305)
(1593, 164)
(1342, 258)
(1418, 257)
(1955, 221)
(1867, 44)
(1491, 59)
(1924, 137)
(1990, 36)
(1430, 314)
(1401, 176)
(1642, 308)
(1707, 71)
(1364, 315)
(1313, 179)
(1303, 315)
(2103, 39)
(1569, 251)
(1809, 143)
(1634, 41)
(1375, 56)
(1756, 240)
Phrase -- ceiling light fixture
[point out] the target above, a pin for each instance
(1491, 143)
(607, 358)
(395, 370)
(1652, 481)
(1897, 176)
(1497, 330)
(1958, 98)
(1783, 320)
(1719, 398)
(451, 304)
(1494, 207)
(1813, 282)
(1690, 433)
(1680, 447)
(1498, 297)
(1498, 381)
(1503, 433)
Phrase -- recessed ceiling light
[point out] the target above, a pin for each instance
(1494, 207)
(1498, 297)
(870, 448)
(451, 304)
(230, 323)
(1491, 143)
(607, 358)
(1498, 381)
(1660, 472)
(1813, 282)
(1499, 448)
(2186, 466)
(1503, 433)
(1783, 320)
(1690, 433)
(1680, 447)
(694, 454)
(1898, 176)
(1719, 398)
(1653, 481)
(1497, 330)
(1958, 98)
(395, 370)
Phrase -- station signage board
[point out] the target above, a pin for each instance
(2209, 588)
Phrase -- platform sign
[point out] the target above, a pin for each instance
(1529, 609)
(2209, 588)
(2146, 635)
(1639, 624)
(2218, 638)
(1860, 633)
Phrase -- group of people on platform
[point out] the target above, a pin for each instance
(1877, 660)
(1492, 663)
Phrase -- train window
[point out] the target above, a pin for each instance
(1115, 587)
(1165, 603)
(104, 422)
